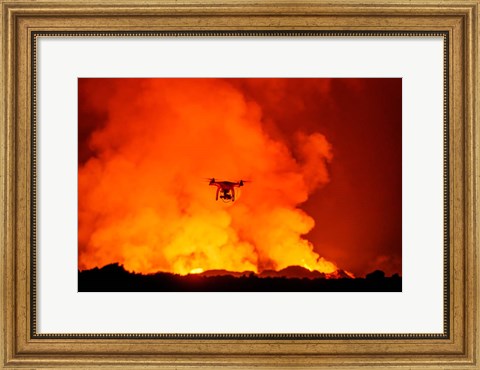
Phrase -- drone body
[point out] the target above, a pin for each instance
(226, 189)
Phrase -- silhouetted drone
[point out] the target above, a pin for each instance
(227, 188)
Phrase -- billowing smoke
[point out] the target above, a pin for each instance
(143, 198)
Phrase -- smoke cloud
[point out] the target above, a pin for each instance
(143, 198)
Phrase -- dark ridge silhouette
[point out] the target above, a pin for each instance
(288, 272)
(292, 272)
(209, 273)
(114, 278)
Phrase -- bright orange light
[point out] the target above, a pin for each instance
(142, 200)
(196, 271)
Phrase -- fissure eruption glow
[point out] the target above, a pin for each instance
(142, 201)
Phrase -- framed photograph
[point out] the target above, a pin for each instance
(182, 235)
(239, 185)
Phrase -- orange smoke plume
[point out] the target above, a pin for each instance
(142, 199)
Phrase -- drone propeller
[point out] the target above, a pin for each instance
(212, 180)
(208, 179)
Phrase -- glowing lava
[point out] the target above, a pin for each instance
(141, 199)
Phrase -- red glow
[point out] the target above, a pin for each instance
(146, 144)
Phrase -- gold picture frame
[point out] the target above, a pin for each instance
(23, 21)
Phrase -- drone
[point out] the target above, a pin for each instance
(227, 189)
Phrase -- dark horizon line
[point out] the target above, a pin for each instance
(114, 278)
(245, 273)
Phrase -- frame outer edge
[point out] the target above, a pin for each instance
(3, 186)
(471, 139)
(8, 183)
(8, 163)
(474, 266)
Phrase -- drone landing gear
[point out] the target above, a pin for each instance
(227, 197)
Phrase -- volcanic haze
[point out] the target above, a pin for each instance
(146, 147)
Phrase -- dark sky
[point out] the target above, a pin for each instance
(357, 212)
